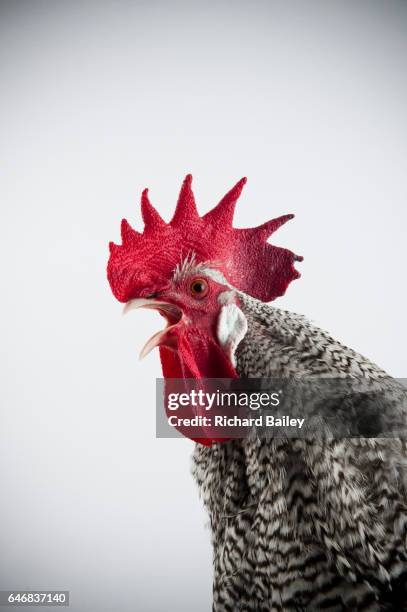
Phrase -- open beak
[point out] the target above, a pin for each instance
(170, 312)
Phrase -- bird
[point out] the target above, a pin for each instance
(297, 523)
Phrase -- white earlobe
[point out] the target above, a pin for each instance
(231, 329)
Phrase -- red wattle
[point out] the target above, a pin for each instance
(197, 357)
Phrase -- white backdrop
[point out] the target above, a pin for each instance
(99, 100)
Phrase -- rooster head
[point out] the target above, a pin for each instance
(191, 270)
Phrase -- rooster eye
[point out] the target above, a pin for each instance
(199, 288)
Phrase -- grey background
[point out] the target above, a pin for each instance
(99, 100)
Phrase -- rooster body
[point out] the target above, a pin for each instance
(299, 525)
(304, 524)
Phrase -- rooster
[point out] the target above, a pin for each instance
(297, 524)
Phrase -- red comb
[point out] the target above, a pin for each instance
(144, 262)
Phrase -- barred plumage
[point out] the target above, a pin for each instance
(299, 524)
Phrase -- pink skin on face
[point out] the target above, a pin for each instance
(190, 306)
(196, 307)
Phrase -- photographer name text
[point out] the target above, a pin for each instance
(235, 421)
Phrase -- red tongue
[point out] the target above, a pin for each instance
(197, 357)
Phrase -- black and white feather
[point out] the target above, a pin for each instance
(300, 524)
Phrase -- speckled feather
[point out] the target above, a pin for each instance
(299, 524)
